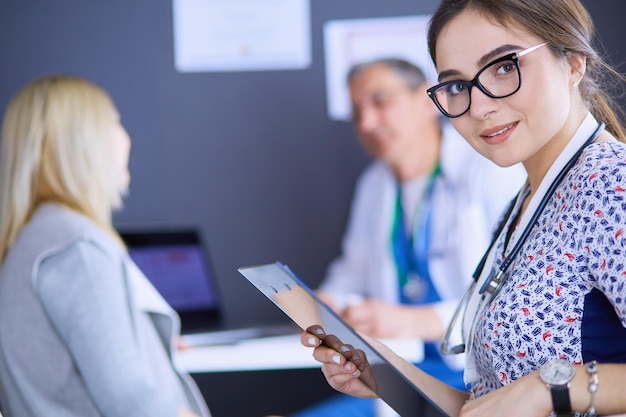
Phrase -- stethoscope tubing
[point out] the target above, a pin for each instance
(496, 279)
(494, 283)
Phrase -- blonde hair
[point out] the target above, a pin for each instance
(55, 148)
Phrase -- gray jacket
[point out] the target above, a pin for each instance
(82, 331)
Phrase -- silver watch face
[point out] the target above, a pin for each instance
(557, 372)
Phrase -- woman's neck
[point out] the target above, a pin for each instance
(538, 164)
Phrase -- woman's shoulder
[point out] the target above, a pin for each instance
(55, 226)
(599, 183)
(603, 164)
(52, 220)
(605, 153)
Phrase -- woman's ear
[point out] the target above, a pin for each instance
(578, 67)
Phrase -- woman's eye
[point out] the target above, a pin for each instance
(455, 89)
(505, 68)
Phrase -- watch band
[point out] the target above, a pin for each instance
(560, 400)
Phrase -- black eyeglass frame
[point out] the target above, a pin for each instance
(514, 57)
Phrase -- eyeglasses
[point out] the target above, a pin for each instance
(498, 79)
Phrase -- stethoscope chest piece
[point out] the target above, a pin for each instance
(492, 285)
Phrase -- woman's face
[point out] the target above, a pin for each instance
(512, 129)
(121, 153)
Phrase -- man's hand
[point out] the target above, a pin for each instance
(384, 320)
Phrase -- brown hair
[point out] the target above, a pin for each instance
(567, 27)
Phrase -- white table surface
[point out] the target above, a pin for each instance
(271, 353)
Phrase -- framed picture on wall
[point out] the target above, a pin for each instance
(245, 35)
(349, 42)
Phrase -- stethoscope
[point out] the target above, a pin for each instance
(496, 279)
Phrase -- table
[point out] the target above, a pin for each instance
(265, 376)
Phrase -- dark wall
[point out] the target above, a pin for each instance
(250, 158)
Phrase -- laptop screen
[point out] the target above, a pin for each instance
(177, 265)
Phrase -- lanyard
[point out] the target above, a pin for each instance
(411, 250)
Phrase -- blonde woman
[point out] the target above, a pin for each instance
(82, 331)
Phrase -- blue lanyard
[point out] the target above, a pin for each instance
(411, 250)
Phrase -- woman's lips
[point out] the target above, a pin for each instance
(498, 134)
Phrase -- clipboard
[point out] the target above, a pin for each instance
(299, 302)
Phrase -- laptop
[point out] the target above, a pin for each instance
(289, 293)
(177, 263)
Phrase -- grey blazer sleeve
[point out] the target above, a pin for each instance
(84, 293)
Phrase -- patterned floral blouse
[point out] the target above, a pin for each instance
(565, 294)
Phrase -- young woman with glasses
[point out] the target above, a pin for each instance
(544, 324)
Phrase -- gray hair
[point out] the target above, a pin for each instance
(412, 75)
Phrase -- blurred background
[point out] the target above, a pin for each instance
(249, 158)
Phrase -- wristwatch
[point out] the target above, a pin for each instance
(557, 375)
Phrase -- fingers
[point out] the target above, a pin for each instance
(339, 375)
(331, 350)
(338, 371)
(357, 357)
(333, 342)
(342, 364)
(313, 336)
